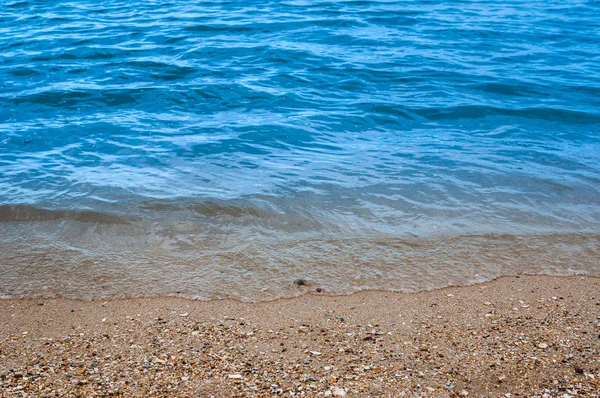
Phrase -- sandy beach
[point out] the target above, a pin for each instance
(527, 336)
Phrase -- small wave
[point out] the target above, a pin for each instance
(11, 213)
(74, 98)
(208, 209)
(475, 112)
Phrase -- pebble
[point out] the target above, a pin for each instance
(543, 345)
(339, 392)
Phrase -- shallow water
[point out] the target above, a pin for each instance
(225, 149)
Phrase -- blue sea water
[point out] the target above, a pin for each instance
(224, 149)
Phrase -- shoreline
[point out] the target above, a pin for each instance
(308, 289)
(138, 265)
(520, 335)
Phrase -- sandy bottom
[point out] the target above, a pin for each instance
(516, 336)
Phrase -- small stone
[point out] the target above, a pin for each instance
(543, 345)
(464, 393)
(235, 376)
(103, 319)
(319, 290)
(450, 295)
(430, 389)
(300, 282)
(327, 393)
(339, 392)
(487, 303)
(315, 353)
(184, 378)
(184, 314)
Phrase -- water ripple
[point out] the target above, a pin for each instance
(314, 122)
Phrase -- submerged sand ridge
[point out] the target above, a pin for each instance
(517, 336)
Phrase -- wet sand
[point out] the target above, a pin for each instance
(517, 336)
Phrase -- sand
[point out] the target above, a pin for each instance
(527, 336)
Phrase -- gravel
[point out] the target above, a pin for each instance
(530, 336)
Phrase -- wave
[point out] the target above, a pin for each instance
(16, 213)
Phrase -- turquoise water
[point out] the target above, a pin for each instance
(225, 149)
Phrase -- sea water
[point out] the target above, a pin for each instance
(229, 148)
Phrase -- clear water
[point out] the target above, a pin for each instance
(226, 149)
